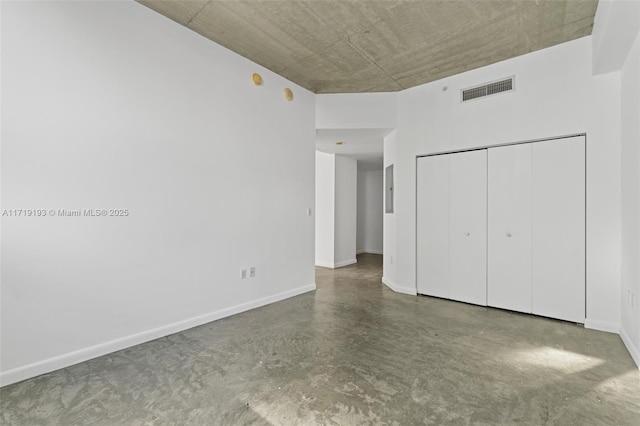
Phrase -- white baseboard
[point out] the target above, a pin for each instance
(399, 289)
(71, 358)
(345, 263)
(336, 264)
(607, 326)
(633, 350)
(363, 251)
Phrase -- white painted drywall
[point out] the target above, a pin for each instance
(346, 205)
(325, 206)
(351, 116)
(370, 211)
(389, 242)
(630, 137)
(356, 111)
(556, 94)
(336, 210)
(615, 27)
(361, 216)
(616, 47)
(109, 105)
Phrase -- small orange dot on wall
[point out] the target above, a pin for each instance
(257, 79)
(288, 94)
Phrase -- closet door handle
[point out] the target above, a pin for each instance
(508, 234)
(467, 234)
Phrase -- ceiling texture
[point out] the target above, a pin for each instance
(354, 46)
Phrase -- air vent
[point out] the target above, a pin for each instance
(487, 89)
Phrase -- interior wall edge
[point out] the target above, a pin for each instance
(633, 350)
(498, 145)
(342, 263)
(66, 360)
(609, 327)
(369, 251)
(398, 288)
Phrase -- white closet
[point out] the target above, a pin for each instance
(558, 229)
(505, 227)
(452, 240)
(509, 230)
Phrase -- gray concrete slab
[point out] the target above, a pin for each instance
(409, 42)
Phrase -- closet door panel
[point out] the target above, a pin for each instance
(433, 226)
(558, 229)
(468, 227)
(509, 227)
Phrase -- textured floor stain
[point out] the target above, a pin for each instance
(351, 353)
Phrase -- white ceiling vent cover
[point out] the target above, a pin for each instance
(487, 89)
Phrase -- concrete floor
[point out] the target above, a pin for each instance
(353, 352)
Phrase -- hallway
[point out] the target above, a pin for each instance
(352, 352)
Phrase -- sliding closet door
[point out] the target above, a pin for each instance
(558, 229)
(433, 226)
(509, 227)
(468, 227)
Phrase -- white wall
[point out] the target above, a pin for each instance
(614, 29)
(325, 206)
(390, 248)
(346, 206)
(630, 135)
(616, 47)
(362, 203)
(356, 111)
(555, 95)
(336, 210)
(370, 211)
(110, 105)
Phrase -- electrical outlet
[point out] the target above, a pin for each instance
(252, 272)
(243, 274)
